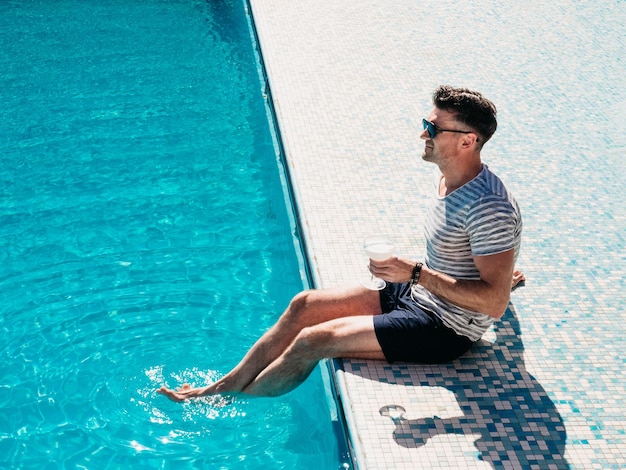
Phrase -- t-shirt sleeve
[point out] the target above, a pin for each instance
(491, 226)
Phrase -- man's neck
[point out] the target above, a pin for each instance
(454, 178)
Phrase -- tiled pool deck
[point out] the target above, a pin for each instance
(351, 82)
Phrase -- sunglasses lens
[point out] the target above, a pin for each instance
(431, 128)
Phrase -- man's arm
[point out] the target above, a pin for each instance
(490, 294)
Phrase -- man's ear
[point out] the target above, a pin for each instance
(469, 140)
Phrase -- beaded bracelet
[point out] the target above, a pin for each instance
(415, 275)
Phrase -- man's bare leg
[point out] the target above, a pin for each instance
(306, 309)
(350, 337)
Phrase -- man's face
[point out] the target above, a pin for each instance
(439, 149)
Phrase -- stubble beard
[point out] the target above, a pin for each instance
(427, 155)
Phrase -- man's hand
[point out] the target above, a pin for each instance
(518, 278)
(393, 269)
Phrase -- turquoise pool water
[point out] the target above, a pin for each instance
(145, 240)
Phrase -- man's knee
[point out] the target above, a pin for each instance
(299, 305)
(312, 343)
(300, 301)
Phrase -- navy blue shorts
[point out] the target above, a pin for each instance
(406, 332)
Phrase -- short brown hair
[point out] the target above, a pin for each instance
(469, 107)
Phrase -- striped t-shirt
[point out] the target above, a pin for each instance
(478, 219)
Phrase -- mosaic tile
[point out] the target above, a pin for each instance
(351, 81)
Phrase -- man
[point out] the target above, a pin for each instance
(429, 313)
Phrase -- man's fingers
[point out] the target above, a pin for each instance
(518, 278)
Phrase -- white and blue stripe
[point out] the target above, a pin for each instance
(478, 219)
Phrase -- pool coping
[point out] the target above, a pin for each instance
(349, 444)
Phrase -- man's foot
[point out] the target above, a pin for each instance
(182, 394)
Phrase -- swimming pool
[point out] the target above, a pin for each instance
(145, 240)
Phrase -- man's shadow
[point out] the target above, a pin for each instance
(501, 401)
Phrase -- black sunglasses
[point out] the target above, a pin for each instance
(433, 130)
